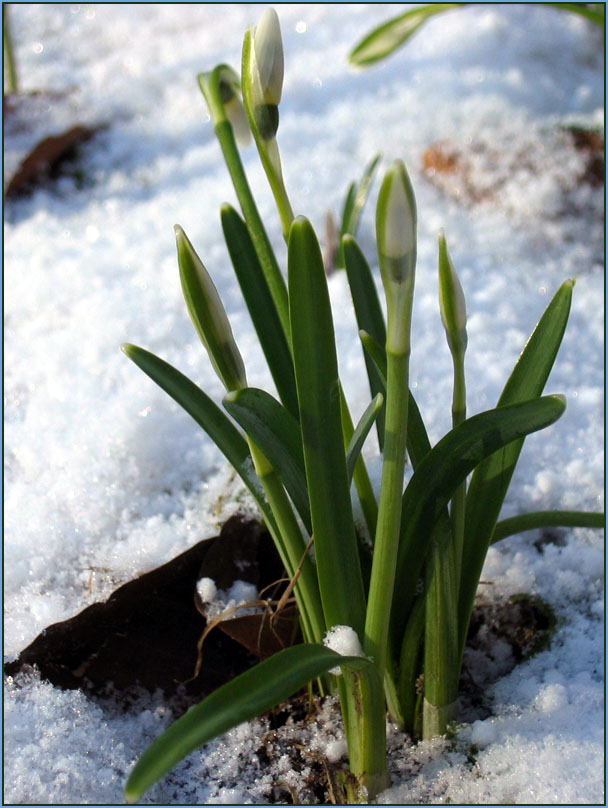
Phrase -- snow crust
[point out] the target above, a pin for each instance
(106, 478)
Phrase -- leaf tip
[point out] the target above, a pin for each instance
(561, 399)
(131, 795)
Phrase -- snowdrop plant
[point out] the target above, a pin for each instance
(386, 600)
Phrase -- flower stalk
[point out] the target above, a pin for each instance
(441, 658)
(213, 86)
(396, 236)
(453, 310)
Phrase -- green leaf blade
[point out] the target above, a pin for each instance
(388, 37)
(316, 366)
(251, 694)
(490, 481)
(361, 432)
(446, 466)
(261, 306)
(206, 414)
(369, 315)
(357, 197)
(208, 314)
(538, 520)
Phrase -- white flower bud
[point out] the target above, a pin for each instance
(398, 237)
(268, 50)
(452, 304)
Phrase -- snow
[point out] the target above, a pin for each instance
(239, 600)
(106, 478)
(206, 589)
(344, 641)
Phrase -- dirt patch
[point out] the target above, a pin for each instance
(38, 157)
(501, 635)
(562, 162)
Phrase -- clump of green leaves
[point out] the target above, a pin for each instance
(388, 37)
(399, 586)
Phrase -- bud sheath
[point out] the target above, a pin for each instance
(451, 302)
(208, 315)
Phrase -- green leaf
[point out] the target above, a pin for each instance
(368, 312)
(315, 361)
(537, 520)
(349, 204)
(386, 38)
(443, 469)
(357, 197)
(361, 432)
(490, 482)
(411, 666)
(206, 414)
(277, 433)
(377, 354)
(251, 694)
(368, 309)
(261, 306)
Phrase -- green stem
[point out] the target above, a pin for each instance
(261, 242)
(389, 513)
(442, 662)
(210, 86)
(441, 657)
(271, 161)
(457, 511)
(363, 711)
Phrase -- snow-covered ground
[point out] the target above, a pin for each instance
(106, 478)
